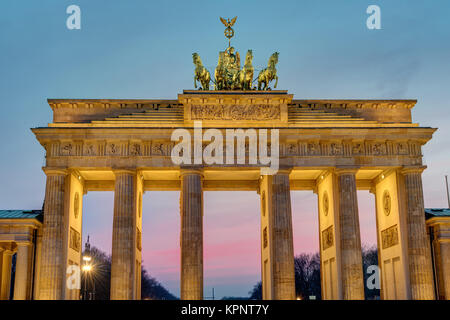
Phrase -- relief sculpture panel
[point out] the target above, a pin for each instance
(235, 112)
(389, 237)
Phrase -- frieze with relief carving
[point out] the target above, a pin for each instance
(301, 148)
(389, 237)
(327, 238)
(236, 112)
(75, 240)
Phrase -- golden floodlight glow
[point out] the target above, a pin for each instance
(87, 267)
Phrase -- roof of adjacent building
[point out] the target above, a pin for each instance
(436, 212)
(37, 214)
(21, 214)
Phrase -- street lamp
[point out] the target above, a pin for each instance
(87, 267)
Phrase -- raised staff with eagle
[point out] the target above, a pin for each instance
(229, 32)
(228, 74)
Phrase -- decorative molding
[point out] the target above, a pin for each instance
(76, 205)
(265, 238)
(138, 239)
(354, 104)
(75, 240)
(389, 237)
(260, 112)
(387, 203)
(327, 238)
(140, 204)
(294, 148)
(325, 203)
(263, 203)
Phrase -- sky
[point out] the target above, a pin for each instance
(143, 49)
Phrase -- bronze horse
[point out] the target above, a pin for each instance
(201, 74)
(243, 79)
(219, 73)
(268, 74)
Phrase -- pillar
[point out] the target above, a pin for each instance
(22, 282)
(61, 235)
(391, 240)
(125, 259)
(5, 276)
(328, 205)
(52, 274)
(277, 249)
(419, 254)
(350, 241)
(37, 263)
(439, 232)
(191, 237)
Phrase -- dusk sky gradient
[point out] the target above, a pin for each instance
(143, 49)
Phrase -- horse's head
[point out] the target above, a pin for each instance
(249, 56)
(196, 59)
(221, 58)
(274, 58)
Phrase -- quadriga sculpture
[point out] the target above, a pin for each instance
(201, 74)
(244, 78)
(268, 74)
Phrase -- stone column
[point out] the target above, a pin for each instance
(419, 253)
(191, 238)
(350, 241)
(439, 232)
(2, 277)
(124, 239)
(22, 282)
(37, 264)
(52, 275)
(277, 240)
(5, 283)
(283, 243)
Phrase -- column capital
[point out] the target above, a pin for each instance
(284, 170)
(191, 171)
(412, 169)
(55, 171)
(24, 243)
(281, 170)
(118, 171)
(346, 170)
(6, 251)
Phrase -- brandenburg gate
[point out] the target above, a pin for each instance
(330, 147)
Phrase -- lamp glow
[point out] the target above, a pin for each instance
(87, 268)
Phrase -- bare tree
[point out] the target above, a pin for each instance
(99, 280)
(307, 275)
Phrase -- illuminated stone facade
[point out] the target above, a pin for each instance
(330, 147)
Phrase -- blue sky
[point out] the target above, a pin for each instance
(143, 49)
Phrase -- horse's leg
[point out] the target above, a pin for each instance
(195, 82)
(276, 81)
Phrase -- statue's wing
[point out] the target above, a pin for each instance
(233, 21)
(224, 21)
